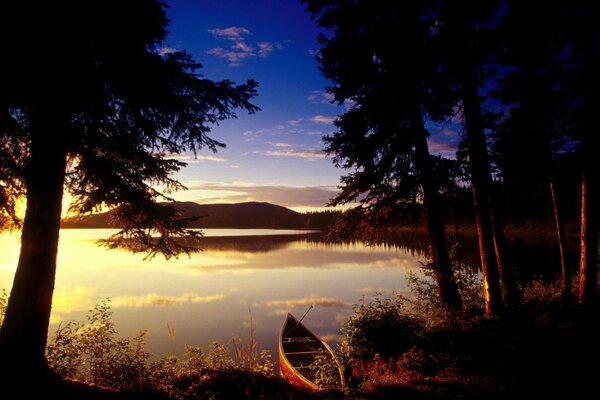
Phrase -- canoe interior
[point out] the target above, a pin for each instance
(300, 347)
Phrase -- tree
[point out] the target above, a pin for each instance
(382, 139)
(465, 33)
(535, 133)
(585, 56)
(89, 103)
(553, 95)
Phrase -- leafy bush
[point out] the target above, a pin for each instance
(3, 302)
(326, 371)
(93, 353)
(382, 328)
(425, 302)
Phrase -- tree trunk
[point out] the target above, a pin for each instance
(25, 328)
(480, 181)
(508, 280)
(562, 246)
(588, 264)
(589, 248)
(448, 290)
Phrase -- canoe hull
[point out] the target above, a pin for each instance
(298, 348)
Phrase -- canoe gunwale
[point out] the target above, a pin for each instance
(288, 370)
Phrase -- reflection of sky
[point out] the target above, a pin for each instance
(214, 294)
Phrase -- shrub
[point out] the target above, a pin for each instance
(382, 328)
(326, 371)
(92, 353)
(3, 303)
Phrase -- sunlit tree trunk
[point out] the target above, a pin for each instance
(480, 181)
(562, 245)
(588, 263)
(25, 328)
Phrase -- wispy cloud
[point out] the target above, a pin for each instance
(166, 50)
(323, 119)
(280, 144)
(190, 159)
(154, 299)
(266, 48)
(443, 141)
(240, 49)
(231, 33)
(313, 299)
(308, 154)
(321, 97)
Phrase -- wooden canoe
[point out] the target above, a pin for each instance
(298, 348)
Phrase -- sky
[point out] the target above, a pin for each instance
(275, 155)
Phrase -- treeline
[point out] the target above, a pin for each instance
(518, 83)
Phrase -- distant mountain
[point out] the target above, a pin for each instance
(232, 216)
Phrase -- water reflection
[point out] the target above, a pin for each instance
(237, 280)
(213, 295)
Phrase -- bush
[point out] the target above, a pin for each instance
(382, 328)
(93, 353)
(3, 303)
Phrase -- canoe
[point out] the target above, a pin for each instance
(298, 348)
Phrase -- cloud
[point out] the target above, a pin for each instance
(320, 97)
(231, 33)
(190, 159)
(154, 299)
(235, 57)
(287, 196)
(323, 119)
(240, 50)
(309, 154)
(313, 299)
(166, 50)
(443, 141)
(280, 144)
(265, 48)
(211, 158)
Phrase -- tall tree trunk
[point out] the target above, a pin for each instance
(562, 246)
(448, 290)
(25, 328)
(480, 181)
(508, 280)
(588, 264)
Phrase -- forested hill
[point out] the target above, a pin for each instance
(241, 215)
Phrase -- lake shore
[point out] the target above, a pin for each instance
(539, 355)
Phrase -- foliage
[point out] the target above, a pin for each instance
(382, 328)
(135, 106)
(326, 370)
(3, 301)
(94, 354)
(425, 300)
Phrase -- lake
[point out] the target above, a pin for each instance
(242, 280)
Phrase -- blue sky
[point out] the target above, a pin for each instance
(276, 154)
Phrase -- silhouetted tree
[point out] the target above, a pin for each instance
(379, 62)
(467, 37)
(536, 129)
(552, 93)
(584, 59)
(88, 101)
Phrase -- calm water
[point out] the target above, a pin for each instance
(242, 279)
